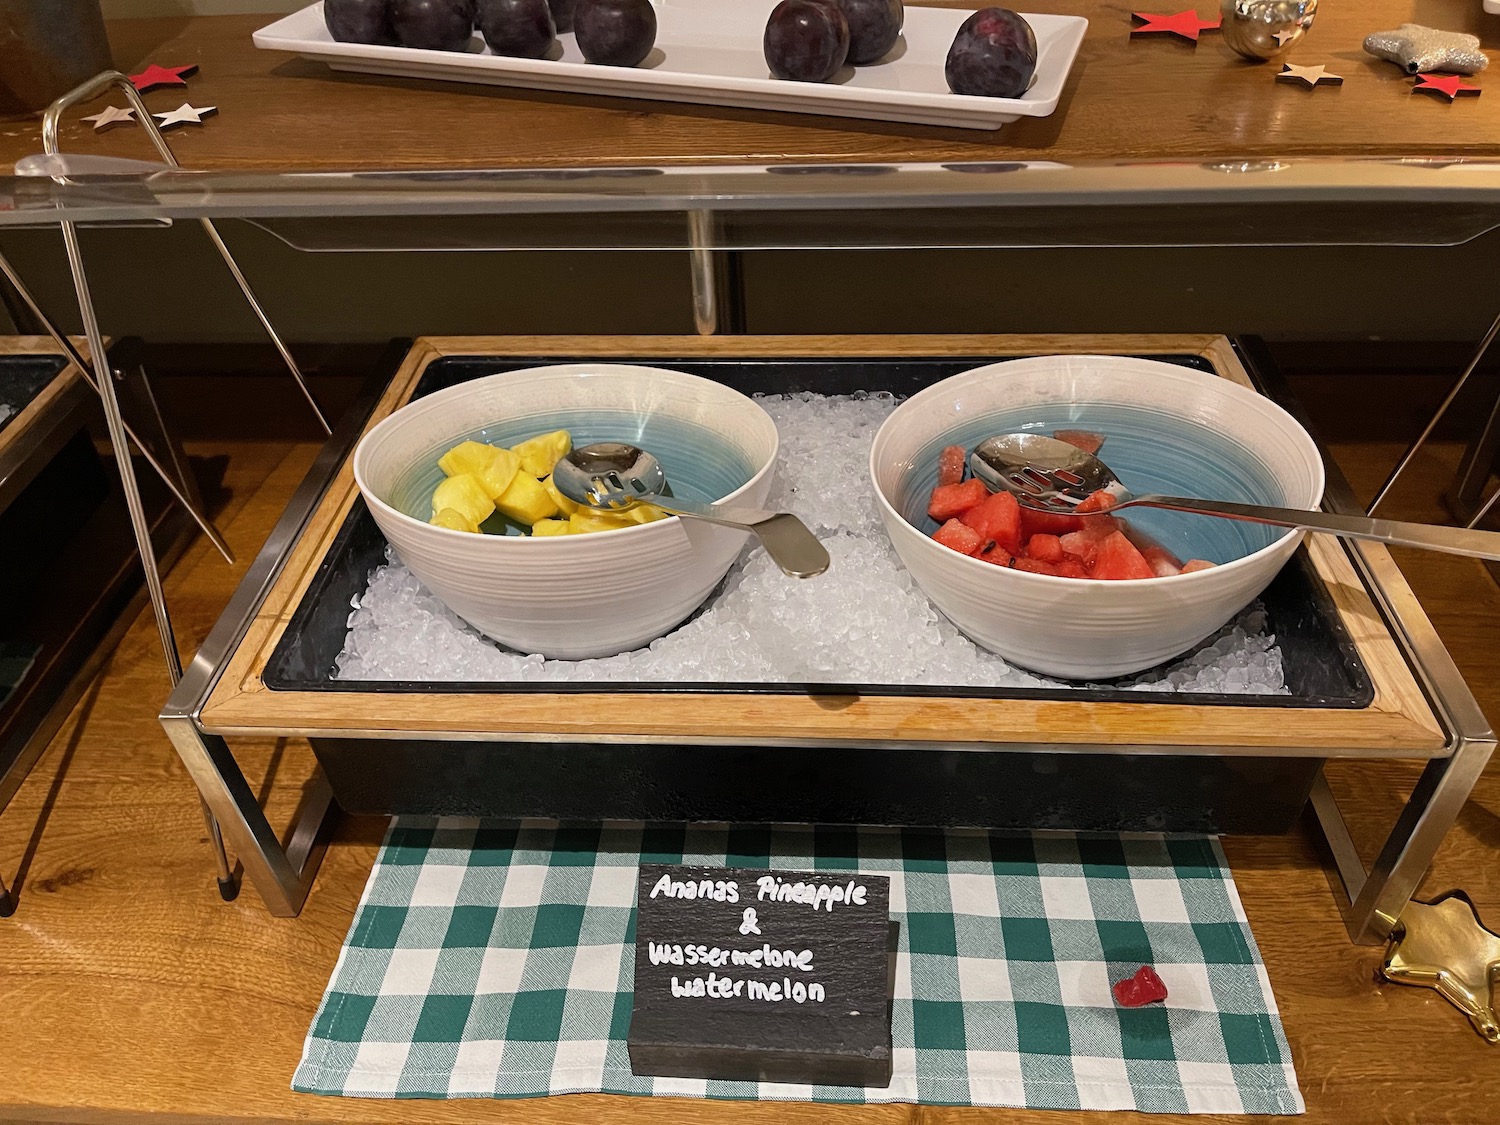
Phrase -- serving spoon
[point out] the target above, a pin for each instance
(612, 476)
(1049, 475)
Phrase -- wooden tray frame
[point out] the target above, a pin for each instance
(1399, 722)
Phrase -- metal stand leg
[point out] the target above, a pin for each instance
(7, 901)
(180, 487)
(717, 303)
(1484, 346)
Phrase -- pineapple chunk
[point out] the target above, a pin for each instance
(454, 521)
(551, 527)
(564, 505)
(495, 467)
(644, 513)
(466, 496)
(586, 520)
(526, 501)
(539, 454)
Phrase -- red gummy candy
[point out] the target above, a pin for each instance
(1142, 989)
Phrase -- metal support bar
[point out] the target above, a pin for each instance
(180, 489)
(702, 264)
(105, 385)
(1412, 450)
(282, 875)
(113, 78)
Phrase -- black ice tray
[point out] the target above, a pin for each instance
(1322, 666)
(22, 378)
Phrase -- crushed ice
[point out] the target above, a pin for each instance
(864, 622)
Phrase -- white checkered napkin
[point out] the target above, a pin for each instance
(496, 960)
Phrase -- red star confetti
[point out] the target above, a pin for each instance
(1142, 989)
(1449, 85)
(1185, 23)
(154, 76)
(1311, 75)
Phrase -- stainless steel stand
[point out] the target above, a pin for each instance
(103, 382)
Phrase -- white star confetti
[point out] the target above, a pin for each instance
(111, 118)
(185, 114)
(1312, 75)
(1286, 35)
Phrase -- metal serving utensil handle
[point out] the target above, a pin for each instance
(786, 538)
(1452, 540)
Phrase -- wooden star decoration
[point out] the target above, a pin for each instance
(1311, 75)
(111, 118)
(1449, 86)
(1444, 946)
(1185, 23)
(185, 115)
(154, 76)
(1285, 35)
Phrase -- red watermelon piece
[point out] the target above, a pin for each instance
(996, 554)
(1036, 566)
(1084, 545)
(1034, 522)
(1163, 562)
(1101, 501)
(951, 464)
(1070, 568)
(959, 537)
(1086, 440)
(1118, 559)
(1192, 566)
(949, 500)
(1045, 548)
(997, 518)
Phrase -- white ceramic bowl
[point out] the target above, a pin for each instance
(1169, 429)
(573, 596)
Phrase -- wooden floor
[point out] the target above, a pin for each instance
(127, 989)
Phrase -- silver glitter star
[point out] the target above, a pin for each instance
(1312, 75)
(111, 118)
(185, 114)
(1417, 50)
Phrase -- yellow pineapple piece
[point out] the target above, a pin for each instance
(587, 519)
(551, 527)
(465, 495)
(539, 454)
(526, 501)
(495, 467)
(454, 521)
(564, 505)
(644, 513)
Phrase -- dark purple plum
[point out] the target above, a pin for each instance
(433, 25)
(520, 29)
(993, 55)
(360, 21)
(615, 32)
(806, 40)
(562, 14)
(874, 26)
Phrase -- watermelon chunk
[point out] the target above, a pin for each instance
(1192, 566)
(959, 537)
(1070, 568)
(996, 554)
(951, 465)
(1117, 559)
(1086, 440)
(1037, 566)
(1045, 548)
(1084, 545)
(1101, 501)
(949, 500)
(1034, 522)
(997, 519)
(1163, 562)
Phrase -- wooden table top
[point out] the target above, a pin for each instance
(1145, 98)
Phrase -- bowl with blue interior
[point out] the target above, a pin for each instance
(459, 482)
(1059, 604)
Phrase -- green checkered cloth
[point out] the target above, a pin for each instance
(496, 959)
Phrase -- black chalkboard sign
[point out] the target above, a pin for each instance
(763, 976)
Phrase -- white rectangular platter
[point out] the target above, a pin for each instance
(709, 52)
